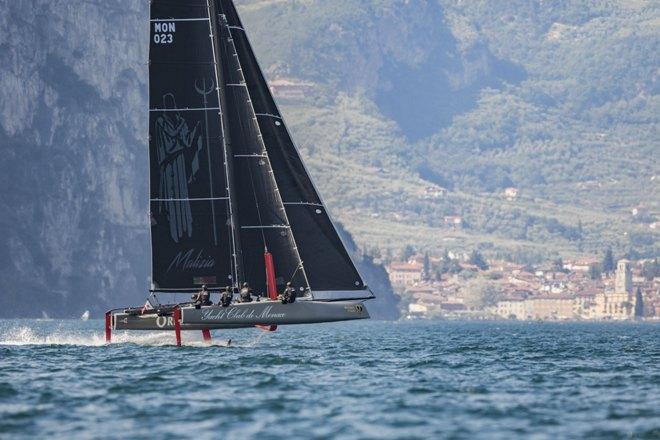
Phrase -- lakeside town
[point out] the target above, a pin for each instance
(467, 286)
(460, 286)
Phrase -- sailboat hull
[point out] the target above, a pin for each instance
(243, 315)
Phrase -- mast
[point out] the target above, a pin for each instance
(237, 254)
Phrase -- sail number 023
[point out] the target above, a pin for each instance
(164, 32)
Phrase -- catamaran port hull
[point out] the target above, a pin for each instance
(242, 315)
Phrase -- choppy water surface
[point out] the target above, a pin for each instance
(355, 380)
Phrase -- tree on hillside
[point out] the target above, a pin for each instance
(478, 260)
(446, 265)
(639, 303)
(558, 265)
(608, 262)
(594, 271)
(651, 269)
(479, 293)
(427, 266)
(388, 256)
(408, 252)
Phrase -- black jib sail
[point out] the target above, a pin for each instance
(328, 267)
(227, 183)
(264, 226)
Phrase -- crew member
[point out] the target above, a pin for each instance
(202, 298)
(205, 297)
(196, 297)
(293, 294)
(246, 293)
(226, 298)
(289, 294)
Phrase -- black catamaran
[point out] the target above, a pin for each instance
(231, 200)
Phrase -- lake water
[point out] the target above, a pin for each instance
(357, 380)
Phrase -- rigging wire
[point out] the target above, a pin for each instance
(295, 272)
(256, 202)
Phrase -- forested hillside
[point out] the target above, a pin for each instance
(556, 99)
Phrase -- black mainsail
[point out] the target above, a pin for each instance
(227, 182)
(191, 210)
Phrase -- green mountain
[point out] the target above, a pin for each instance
(556, 99)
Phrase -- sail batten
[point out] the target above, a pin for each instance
(187, 109)
(168, 20)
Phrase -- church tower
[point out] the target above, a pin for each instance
(623, 280)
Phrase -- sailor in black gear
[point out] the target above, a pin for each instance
(246, 293)
(292, 294)
(289, 294)
(226, 298)
(201, 298)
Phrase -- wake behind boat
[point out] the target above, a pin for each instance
(232, 204)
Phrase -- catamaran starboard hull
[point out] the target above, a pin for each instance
(244, 315)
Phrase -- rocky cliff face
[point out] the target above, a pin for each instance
(73, 132)
(72, 89)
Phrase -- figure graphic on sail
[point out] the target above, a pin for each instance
(174, 139)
